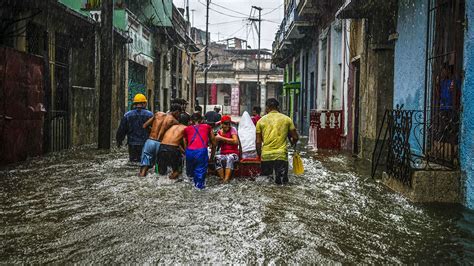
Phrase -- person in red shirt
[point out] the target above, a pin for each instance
(228, 141)
(256, 111)
(198, 137)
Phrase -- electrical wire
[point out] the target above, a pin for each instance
(228, 9)
(273, 10)
(274, 22)
(221, 23)
(234, 34)
(219, 12)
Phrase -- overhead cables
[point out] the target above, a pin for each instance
(222, 13)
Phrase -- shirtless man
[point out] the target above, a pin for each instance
(159, 123)
(172, 148)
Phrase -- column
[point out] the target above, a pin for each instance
(235, 99)
(263, 95)
(213, 94)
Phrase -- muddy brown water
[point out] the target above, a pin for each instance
(87, 206)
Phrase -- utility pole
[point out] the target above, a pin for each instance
(187, 11)
(206, 56)
(106, 73)
(259, 39)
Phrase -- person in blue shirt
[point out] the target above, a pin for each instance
(132, 127)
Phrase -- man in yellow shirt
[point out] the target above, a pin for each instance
(272, 131)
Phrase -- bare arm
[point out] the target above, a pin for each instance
(182, 146)
(234, 140)
(148, 123)
(212, 138)
(294, 137)
(213, 144)
(259, 144)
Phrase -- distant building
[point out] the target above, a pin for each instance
(232, 77)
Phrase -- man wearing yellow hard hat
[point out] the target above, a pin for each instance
(132, 127)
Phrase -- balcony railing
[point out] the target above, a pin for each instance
(326, 129)
(179, 23)
(418, 140)
(291, 17)
(96, 4)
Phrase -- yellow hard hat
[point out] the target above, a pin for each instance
(139, 98)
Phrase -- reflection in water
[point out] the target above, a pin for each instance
(88, 206)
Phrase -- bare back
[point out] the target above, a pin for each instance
(174, 135)
(168, 122)
(158, 120)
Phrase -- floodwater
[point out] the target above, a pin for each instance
(87, 206)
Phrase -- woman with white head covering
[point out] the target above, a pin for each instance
(247, 136)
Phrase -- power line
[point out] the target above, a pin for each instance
(228, 9)
(222, 23)
(235, 33)
(222, 13)
(271, 21)
(273, 10)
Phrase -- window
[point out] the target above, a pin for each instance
(62, 48)
(226, 100)
(36, 42)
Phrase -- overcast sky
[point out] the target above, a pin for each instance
(229, 18)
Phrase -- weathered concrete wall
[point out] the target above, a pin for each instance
(84, 118)
(410, 54)
(428, 187)
(84, 108)
(119, 86)
(467, 126)
(377, 68)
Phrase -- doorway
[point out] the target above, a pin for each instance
(352, 142)
(444, 81)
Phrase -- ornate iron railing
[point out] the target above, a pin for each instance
(417, 140)
(326, 129)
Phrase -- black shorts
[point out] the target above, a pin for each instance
(279, 167)
(169, 156)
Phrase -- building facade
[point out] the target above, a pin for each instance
(312, 47)
(61, 42)
(401, 81)
(233, 79)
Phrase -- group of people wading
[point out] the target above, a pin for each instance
(175, 138)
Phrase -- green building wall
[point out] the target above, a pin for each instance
(158, 11)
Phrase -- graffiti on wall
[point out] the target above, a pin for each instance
(133, 89)
(136, 81)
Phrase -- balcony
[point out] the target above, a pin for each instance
(96, 4)
(306, 7)
(358, 9)
(292, 28)
(180, 25)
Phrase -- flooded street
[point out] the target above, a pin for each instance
(90, 207)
